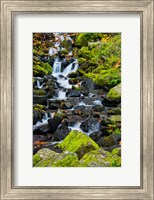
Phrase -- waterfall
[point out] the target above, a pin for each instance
(71, 68)
(52, 51)
(61, 95)
(56, 68)
(38, 83)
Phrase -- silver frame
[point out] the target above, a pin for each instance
(8, 11)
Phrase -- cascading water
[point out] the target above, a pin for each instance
(61, 75)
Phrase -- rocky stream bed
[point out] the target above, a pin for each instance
(76, 100)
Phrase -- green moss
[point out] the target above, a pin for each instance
(116, 151)
(60, 114)
(64, 52)
(95, 159)
(36, 159)
(39, 92)
(106, 77)
(47, 67)
(114, 160)
(42, 69)
(39, 71)
(115, 93)
(39, 106)
(81, 60)
(115, 118)
(78, 143)
(81, 71)
(113, 128)
(81, 40)
(71, 160)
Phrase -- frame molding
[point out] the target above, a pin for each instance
(8, 10)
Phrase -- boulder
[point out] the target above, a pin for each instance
(73, 93)
(48, 158)
(78, 143)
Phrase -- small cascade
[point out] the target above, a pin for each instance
(44, 121)
(56, 68)
(76, 126)
(97, 102)
(71, 68)
(94, 128)
(61, 95)
(52, 51)
(38, 84)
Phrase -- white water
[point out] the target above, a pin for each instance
(62, 76)
(93, 128)
(44, 121)
(97, 102)
(38, 84)
(52, 51)
(61, 95)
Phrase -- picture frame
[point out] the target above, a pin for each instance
(8, 11)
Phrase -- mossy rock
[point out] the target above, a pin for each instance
(114, 160)
(78, 143)
(60, 114)
(115, 118)
(39, 92)
(48, 158)
(116, 151)
(115, 93)
(106, 78)
(95, 158)
(69, 160)
(36, 159)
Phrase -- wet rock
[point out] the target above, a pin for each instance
(96, 136)
(40, 138)
(54, 104)
(114, 111)
(61, 132)
(73, 93)
(73, 75)
(66, 105)
(82, 107)
(54, 123)
(105, 120)
(40, 99)
(90, 124)
(84, 126)
(88, 84)
(110, 140)
(98, 108)
(37, 116)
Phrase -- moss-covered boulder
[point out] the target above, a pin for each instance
(67, 160)
(95, 159)
(115, 93)
(100, 158)
(105, 78)
(78, 143)
(48, 158)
